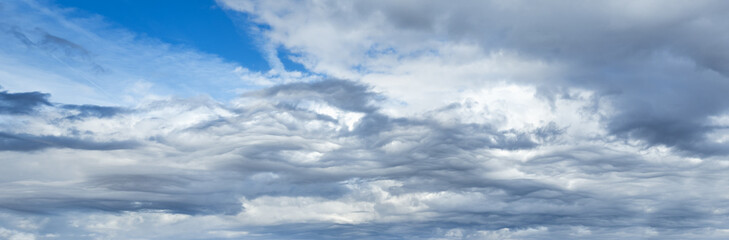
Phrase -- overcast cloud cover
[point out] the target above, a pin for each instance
(407, 120)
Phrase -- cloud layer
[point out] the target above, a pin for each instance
(305, 160)
(417, 120)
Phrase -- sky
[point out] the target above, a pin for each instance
(324, 119)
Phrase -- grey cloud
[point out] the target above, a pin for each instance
(668, 105)
(660, 63)
(342, 94)
(22, 103)
(269, 166)
(666, 87)
(142, 183)
(52, 204)
(444, 161)
(27, 103)
(93, 111)
(119, 192)
(439, 147)
(27, 142)
(670, 132)
(270, 149)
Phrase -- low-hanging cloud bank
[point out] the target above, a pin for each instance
(320, 160)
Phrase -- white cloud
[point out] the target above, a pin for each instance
(15, 235)
(633, 57)
(355, 40)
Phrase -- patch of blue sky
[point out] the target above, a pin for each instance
(201, 25)
(83, 58)
(288, 59)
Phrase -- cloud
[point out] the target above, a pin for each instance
(338, 93)
(21, 103)
(653, 64)
(474, 120)
(93, 110)
(15, 235)
(284, 162)
(24, 142)
(28, 103)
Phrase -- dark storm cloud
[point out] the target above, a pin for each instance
(680, 133)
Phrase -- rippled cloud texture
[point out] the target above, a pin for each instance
(413, 120)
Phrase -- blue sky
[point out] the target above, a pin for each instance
(201, 25)
(468, 120)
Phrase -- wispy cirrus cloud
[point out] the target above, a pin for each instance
(82, 60)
